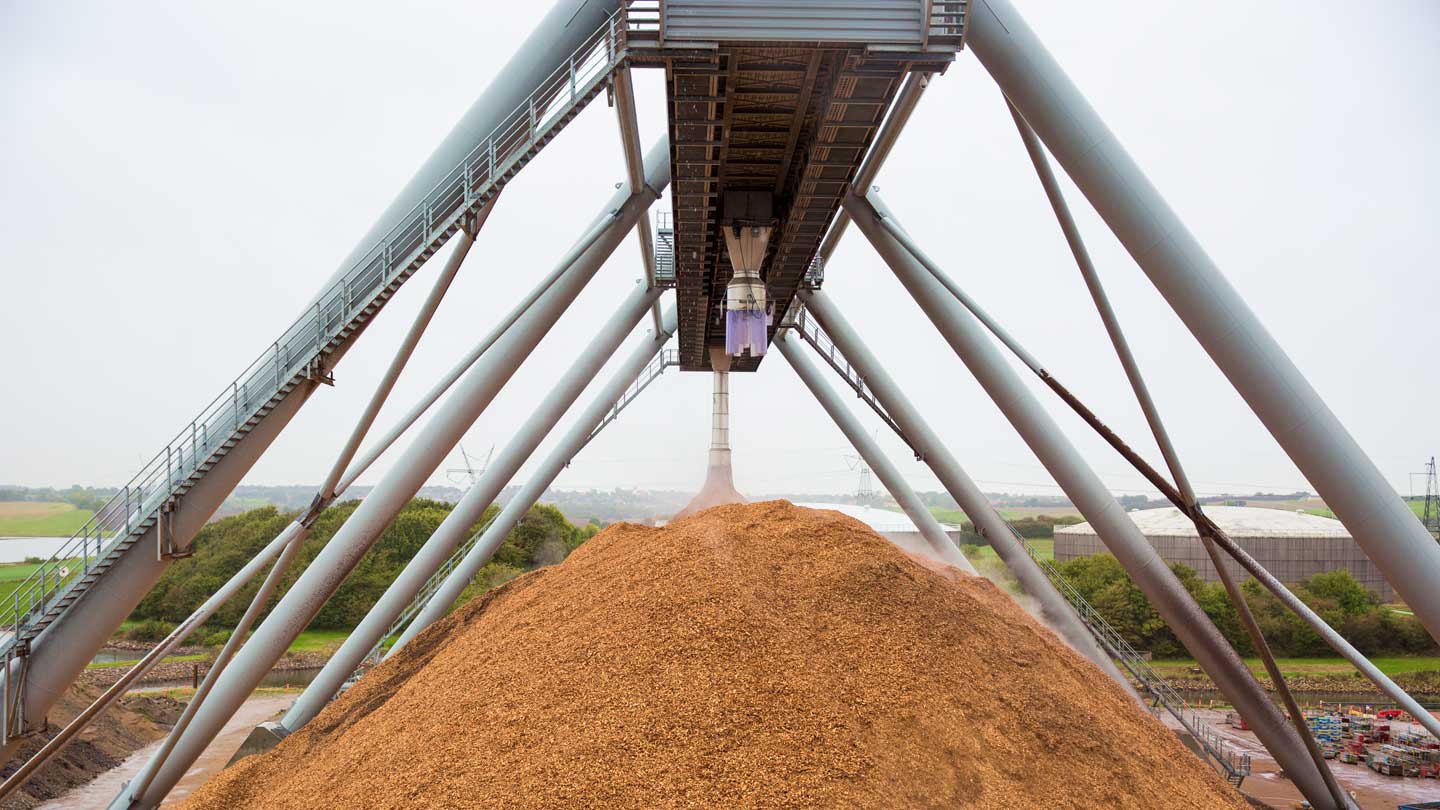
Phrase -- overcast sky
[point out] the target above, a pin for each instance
(179, 178)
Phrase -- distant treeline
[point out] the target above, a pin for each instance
(91, 498)
(542, 537)
(1038, 527)
(1341, 600)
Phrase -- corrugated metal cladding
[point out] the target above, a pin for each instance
(868, 21)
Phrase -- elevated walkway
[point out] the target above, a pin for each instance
(303, 352)
(781, 98)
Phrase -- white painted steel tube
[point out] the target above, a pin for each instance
(464, 239)
(905, 102)
(469, 399)
(967, 337)
(222, 660)
(792, 346)
(530, 492)
(202, 614)
(438, 390)
(1056, 611)
(471, 508)
(564, 29)
(1210, 307)
(629, 122)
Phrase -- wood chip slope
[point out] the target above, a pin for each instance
(756, 655)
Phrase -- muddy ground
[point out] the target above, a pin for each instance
(134, 722)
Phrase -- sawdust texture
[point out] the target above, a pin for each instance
(757, 655)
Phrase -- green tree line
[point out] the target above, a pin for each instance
(542, 537)
(1336, 596)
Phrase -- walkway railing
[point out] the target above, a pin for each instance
(1235, 763)
(810, 331)
(355, 295)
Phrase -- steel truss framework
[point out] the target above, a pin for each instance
(811, 119)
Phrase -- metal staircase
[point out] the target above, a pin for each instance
(1235, 763)
(663, 360)
(809, 329)
(300, 354)
(664, 251)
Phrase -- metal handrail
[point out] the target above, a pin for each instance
(296, 351)
(1236, 763)
(644, 18)
(664, 250)
(810, 331)
(663, 359)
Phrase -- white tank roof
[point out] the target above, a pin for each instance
(881, 520)
(1237, 521)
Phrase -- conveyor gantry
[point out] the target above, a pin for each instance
(777, 97)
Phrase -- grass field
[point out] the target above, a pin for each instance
(13, 575)
(1301, 667)
(1045, 548)
(957, 517)
(319, 640)
(35, 519)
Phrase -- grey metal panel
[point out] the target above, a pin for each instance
(869, 21)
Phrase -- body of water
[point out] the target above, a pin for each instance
(17, 549)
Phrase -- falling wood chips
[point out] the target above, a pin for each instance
(757, 655)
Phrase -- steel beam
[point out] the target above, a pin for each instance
(60, 654)
(571, 444)
(469, 398)
(624, 90)
(1053, 608)
(1210, 307)
(217, 668)
(370, 456)
(966, 336)
(905, 102)
(563, 30)
(182, 631)
(463, 241)
(471, 508)
(1189, 504)
(943, 548)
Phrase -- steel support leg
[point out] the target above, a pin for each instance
(202, 614)
(624, 87)
(470, 397)
(451, 531)
(464, 240)
(1189, 504)
(227, 653)
(793, 347)
(369, 457)
(1249, 356)
(1189, 623)
(575, 439)
(905, 103)
(1056, 611)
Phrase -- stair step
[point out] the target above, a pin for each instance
(483, 192)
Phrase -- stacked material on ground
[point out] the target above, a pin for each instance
(758, 655)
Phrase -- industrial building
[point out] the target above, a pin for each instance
(893, 526)
(1292, 545)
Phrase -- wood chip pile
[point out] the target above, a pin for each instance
(754, 655)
